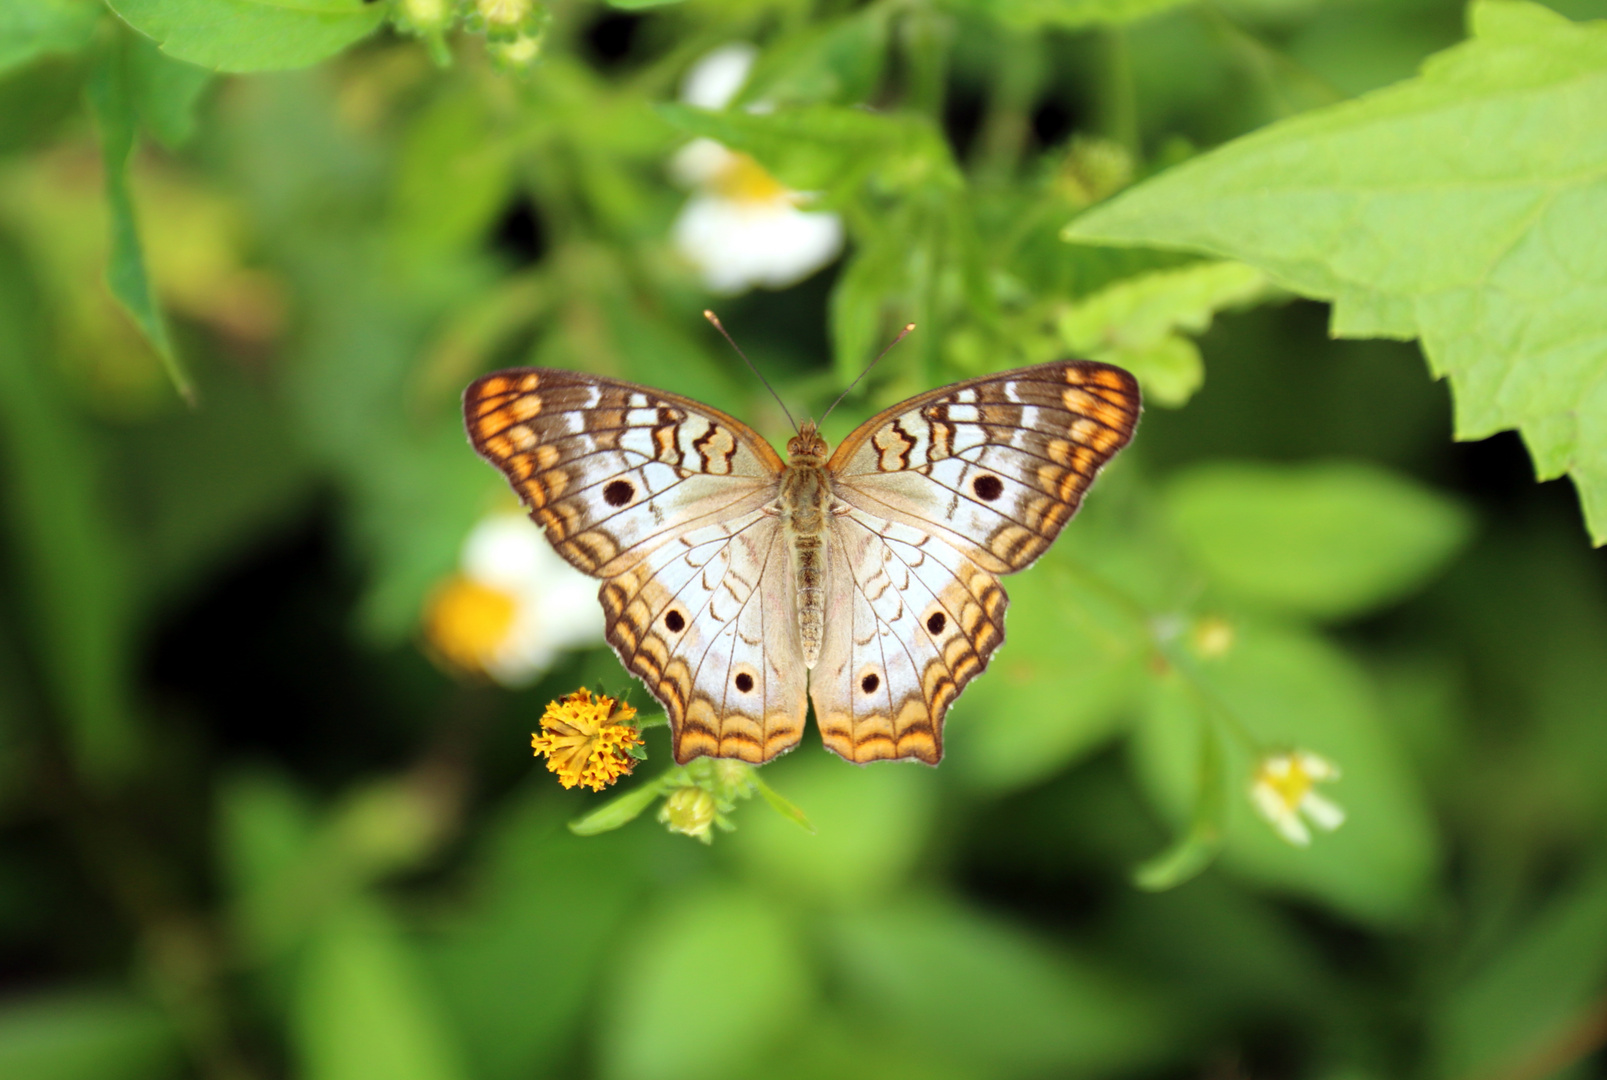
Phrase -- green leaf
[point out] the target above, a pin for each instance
(30, 28)
(1072, 672)
(1331, 540)
(1195, 849)
(838, 61)
(165, 91)
(859, 301)
(530, 876)
(1533, 995)
(1067, 14)
(1467, 207)
(782, 806)
(983, 993)
(716, 979)
(111, 95)
(363, 1008)
(74, 570)
(618, 811)
(251, 35)
(452, 179)
(214, 482)
(1136, 323)
(1285, 689)
(87, 1036)
(266, 829)
(868, 829)
(830, 148)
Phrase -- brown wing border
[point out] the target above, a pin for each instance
(1123, 378)
(475, 392)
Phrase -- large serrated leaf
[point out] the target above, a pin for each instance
(1467, 206)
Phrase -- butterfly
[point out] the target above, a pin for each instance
(738, 586)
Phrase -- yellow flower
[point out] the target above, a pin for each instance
(1284, 789)
(690, 811)
(587, 740)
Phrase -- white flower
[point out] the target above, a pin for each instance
(1283, 790)
(513, 606)
(742, 227)
(715, 79)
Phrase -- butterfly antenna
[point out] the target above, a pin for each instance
(902, 334)
(718, 325)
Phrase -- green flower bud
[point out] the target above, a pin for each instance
(689, 811)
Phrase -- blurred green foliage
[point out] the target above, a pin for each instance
(248, 830)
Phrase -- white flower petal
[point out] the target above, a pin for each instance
(714, 80)
(1292, 829)
(1269, 804)
(1317, 767)
(506, 551)
(737, 245)
(699, 162)
(1324, 814)
(555, 605)
(520, 662)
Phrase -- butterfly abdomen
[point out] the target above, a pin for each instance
(805, 501)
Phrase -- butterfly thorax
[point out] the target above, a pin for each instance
(805, 503)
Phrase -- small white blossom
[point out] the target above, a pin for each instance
(742, 227)
(514, 605)
(1283, 791)
(714, 80)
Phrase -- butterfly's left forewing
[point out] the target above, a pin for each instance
(661, 496)
(941, 494)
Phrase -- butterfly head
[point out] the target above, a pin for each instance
(806, 447)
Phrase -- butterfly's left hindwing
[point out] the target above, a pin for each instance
(660, 496)
(941, 494)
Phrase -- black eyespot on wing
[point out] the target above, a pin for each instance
(870, 682)
(675, 621)
(987, 488)
(619, 492)
(936, 622)
(744, 681)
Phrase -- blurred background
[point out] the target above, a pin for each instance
(270, 662)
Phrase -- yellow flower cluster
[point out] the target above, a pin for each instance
(587, 740)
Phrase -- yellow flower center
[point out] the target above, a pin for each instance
(742, 179)
(466, 622)
(587, 740)
(1286, 777)
(1213, 637)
